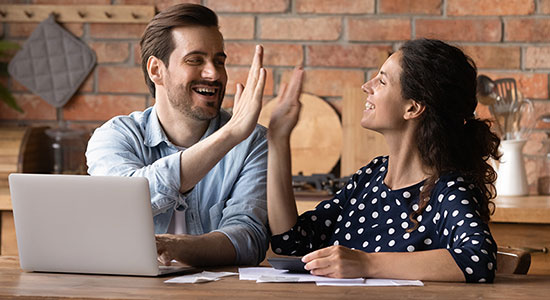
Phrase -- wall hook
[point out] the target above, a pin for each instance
(108, 15)
(29, 14)
(81, 14)
(135, 16)
(3, 13)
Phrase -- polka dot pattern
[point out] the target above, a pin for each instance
(368, 216)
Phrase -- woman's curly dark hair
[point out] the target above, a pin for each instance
(450, 138)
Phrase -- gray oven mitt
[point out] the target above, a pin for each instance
(52, 63)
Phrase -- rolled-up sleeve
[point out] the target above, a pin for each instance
(244, 217)
(117, 149)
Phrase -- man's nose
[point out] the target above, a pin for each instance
(210, 71)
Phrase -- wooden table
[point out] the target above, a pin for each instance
(15, 283)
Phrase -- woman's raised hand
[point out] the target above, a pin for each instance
(287, 112)
(248, 99)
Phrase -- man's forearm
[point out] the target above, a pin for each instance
(211, 249)
(200, 158)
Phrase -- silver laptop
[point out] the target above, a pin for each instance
(85, 224)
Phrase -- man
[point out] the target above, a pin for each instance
(206, 169)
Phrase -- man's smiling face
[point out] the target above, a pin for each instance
(196, 76)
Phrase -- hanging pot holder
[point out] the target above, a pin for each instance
(53, 63)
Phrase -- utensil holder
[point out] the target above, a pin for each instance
(512, 178)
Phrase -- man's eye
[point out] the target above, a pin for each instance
(194, 61)
(220, 62)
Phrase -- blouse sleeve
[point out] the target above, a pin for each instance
(314, 229)
(467, 237)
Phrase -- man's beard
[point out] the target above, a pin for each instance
(180, 99)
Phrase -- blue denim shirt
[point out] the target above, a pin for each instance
(231, 198)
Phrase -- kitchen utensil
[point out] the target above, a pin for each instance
(486, 90)
(507, 89)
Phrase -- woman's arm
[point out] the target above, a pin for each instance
(342, 262)
(281, 205)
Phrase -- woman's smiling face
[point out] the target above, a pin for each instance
(385, 106)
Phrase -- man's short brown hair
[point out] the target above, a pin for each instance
(157, 39)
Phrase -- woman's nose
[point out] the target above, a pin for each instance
(367, 87)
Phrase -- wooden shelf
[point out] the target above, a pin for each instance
(78, 13)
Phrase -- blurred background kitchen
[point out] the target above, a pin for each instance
(341, 44)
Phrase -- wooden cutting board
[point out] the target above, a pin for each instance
(360, 145)
(316, 142)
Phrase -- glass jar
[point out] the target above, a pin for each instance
(68, 148)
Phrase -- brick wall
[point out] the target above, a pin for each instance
(340, 43)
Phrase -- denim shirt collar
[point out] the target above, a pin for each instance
(154, 133)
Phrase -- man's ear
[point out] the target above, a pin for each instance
(414, 110)
(155, 70)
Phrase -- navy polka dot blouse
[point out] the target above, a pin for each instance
(367, 215)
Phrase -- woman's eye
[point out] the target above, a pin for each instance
(382, 82)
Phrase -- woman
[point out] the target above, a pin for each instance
(419, 213)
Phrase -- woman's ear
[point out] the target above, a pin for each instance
(414, 110)
(155, 70)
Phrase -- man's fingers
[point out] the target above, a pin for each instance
(257, 63)
(281, 92)
(259, 90)
(238, 94)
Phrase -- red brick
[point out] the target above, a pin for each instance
(237, 27)
(527, 30)
(544, 6)
(335, 7)
(274, 54)
(358, 56)
(101, 107)
(378, 29)
(113, 79)
(117, 31)
(328, 82)
(471, 30)
(495, 57)
(240, 74)
(97, 2)
(256, 6)
(88, 85)
(531, 85)
(137, 54)
(110, 52)
(304, 28)
(541, 108)
(34, 108)
(419, 7)
(21, 30)
(17, 87)
(164, 4)
(537, 58)
(490, 7)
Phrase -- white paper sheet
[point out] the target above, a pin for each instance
(200, 277)
(273, 275)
